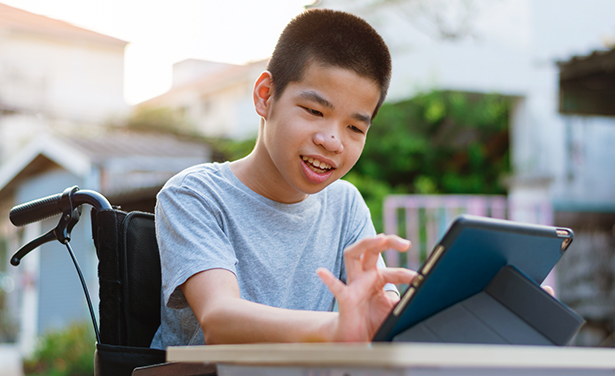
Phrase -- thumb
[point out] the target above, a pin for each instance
(335, 285)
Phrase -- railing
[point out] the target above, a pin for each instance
(424, 219)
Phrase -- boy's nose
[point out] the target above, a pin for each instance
(329, 141)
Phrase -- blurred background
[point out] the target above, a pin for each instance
(503, 108)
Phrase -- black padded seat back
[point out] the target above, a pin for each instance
(129, 277)
(142, 273)
(129, 281)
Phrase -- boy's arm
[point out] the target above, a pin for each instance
(214, 297)
(224, 317)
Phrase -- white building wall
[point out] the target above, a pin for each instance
(187, 71)
(71, 80)
(51, 83)
(229, 112)
(216, 100)
(588, 175)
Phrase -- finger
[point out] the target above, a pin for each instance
(366, 251)
(370, 259)
(377, 244)
(397, 275)
(333, 283)
(355, 253)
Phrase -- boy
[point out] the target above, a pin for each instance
(246, 246)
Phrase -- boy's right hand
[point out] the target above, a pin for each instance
(363, 303)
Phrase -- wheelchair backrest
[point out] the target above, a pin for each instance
(129, 277)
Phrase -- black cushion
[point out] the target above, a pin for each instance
(142, 273)
(110, 360)
(129, 277)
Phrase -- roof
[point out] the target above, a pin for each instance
(133, 144)
(133, 164)
(587, 84)
(125, 163)
(19, 20)
(596, 62)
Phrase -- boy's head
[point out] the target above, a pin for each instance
(330, 38)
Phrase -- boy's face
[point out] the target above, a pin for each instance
(315, 131)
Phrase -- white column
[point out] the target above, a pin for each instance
(29, 277)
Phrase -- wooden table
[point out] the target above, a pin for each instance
(398, 359)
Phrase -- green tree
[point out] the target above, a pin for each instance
(439, 142)
(159, 119)
(64, 352)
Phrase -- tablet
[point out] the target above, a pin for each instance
(469, 255)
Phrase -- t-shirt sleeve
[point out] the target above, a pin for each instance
(191, 239)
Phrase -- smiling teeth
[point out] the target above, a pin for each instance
(316, 163)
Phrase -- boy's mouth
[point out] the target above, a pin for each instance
(316, 165)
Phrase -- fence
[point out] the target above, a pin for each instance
(424, 219)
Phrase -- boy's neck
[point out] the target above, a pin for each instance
(255, 172)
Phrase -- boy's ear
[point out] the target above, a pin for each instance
(263, 94)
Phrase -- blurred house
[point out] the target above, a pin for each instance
(58, 84)
(54, 78)
(126, 168)
(559, 155)
(214, 98)
(587, 105)
(54, 75)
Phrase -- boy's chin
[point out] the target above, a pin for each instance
(311, 188)
(316, 189)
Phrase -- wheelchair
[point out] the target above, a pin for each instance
(129, 280)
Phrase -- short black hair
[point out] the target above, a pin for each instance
(332, 38)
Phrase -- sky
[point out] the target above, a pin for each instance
(162, 32)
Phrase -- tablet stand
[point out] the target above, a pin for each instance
(512, 309)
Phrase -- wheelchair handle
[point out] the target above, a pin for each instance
(42, 208)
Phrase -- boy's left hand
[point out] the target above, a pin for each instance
(363, 304)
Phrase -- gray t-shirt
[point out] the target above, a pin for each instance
(207, 218)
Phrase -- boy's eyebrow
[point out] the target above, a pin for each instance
(314, 96)
(363, 118)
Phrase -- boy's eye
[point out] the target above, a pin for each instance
(355, 129)
(313, 112)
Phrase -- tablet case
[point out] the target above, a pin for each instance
(512, 309)
(470, 254)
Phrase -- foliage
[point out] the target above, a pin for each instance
(231, 150)
(436, 143)
(69, 351)
(158, 119)
(374, 192)
(441, 142)
(8, 324)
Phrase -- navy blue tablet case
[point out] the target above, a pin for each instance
(510, 310)
(472, 252)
